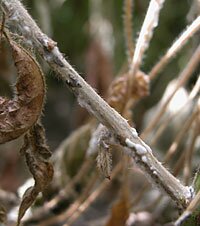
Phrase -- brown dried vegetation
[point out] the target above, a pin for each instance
(20, 113)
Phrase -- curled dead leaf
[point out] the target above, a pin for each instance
(118, 91)
(20, 113)
(37, 155)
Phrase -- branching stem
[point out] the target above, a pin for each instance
(18, 17)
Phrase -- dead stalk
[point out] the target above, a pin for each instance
(172, 149)
(190, 151)
(18, 16)
(128, 29)
(175, 48)
(182, 79)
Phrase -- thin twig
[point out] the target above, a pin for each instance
(146, 33)
(81, 205)
(182, 79)
(173, 147)
(74, 206)
(179, 164)
(164, 124)
(189, 152)
(175, 48)
(195, 89)
(128, 29)
(63, 194)
(93, 196)
(150, 22)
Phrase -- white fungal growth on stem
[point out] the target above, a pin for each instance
(89, 99)
(129, 143)
(140, 150)
(138, 147)
(144, 159)
(154, 172)
(134, 132)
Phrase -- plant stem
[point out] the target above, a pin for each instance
(18, 17)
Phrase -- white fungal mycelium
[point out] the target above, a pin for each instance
(154, 172)
(129, 143)
(190, 192)
(140, 149)
(144, 159)
(146, 146)
(134, 132)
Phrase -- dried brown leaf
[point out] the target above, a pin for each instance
(37, 154)
(20, 113)
(118, 92)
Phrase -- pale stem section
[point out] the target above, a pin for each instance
(187, 170)
(128, 29)
(164, 124)
(182, 79)
(181, 134)
(150, 22)
(176, 47)
(18, 17)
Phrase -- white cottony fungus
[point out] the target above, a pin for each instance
(154, 172)
(129, 143)
(190, 192)
(134, 132)
(140, 149)
(146, 146)
(144, 159)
